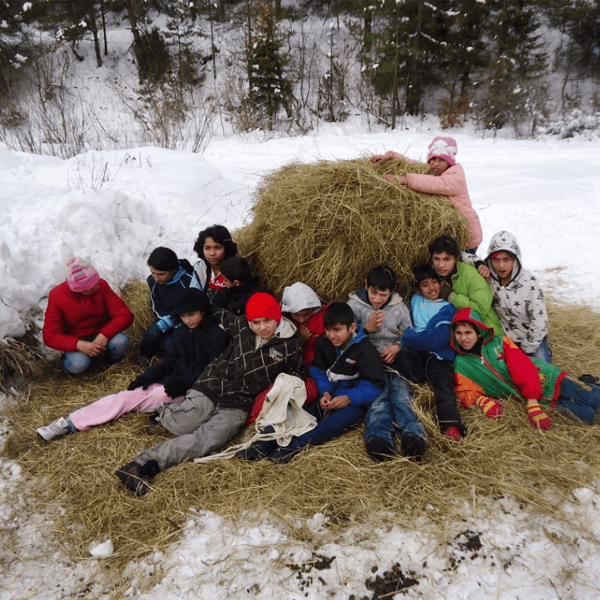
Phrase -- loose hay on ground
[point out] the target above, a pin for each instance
(308, 220)
(504, 457)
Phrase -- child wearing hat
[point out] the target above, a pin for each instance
(447, 179)
(264, 344)
(518, 297)
(196, 343)
(490, 367)
(85, 318)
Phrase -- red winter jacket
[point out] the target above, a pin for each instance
(71, 316)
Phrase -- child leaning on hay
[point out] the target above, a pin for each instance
(448, 179)
(349, 375)
(264, 344)
(384, 316)
(518, 298)
(488, 367)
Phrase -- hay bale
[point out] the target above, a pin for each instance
(21, 360)
(327, 224)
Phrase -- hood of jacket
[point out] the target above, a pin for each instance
(471, 316)
(299, 296)
(504, 241)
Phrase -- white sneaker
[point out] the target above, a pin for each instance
(55, 430)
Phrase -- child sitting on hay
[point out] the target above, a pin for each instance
(349, 376)
(264, 344)
(214, 245)
(169, 276)
(384, 316)
(518, 299)
(196, 343)
(240, 284)
(462, 285)
(490, 366)
(303, 307)
(448, 179)
(85, 319)
(426, 355)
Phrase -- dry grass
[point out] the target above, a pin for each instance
(310, 220)
(74, 477)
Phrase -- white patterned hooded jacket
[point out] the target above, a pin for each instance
(520, 303)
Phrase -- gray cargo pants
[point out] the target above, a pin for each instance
(201, 427)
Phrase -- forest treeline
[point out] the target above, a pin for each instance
(489, 59)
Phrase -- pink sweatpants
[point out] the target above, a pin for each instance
(113, 406)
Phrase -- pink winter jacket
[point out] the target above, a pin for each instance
(451, 183)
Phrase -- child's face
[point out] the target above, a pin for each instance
(430, 288)
(444, 263)
(161, 276)
(466, 336)
(191, 319)
(302, 316)
(378, 297)
(264, 328)
(503, 264)
(438, 165)
(228, 283)
(213, 252)
(340, 335)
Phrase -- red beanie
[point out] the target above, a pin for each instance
(263, 306)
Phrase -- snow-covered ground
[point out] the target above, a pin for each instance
(114, 207)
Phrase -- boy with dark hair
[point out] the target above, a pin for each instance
(426, 355)
(384, 316)
(169, 276)
(462, 285)
(240, 284)
(348, 374)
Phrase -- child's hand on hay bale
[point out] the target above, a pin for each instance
(490, 407)
(389, 155)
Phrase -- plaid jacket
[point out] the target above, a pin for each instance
(236, 376)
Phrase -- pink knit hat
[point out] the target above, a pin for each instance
(443, 147)
(81, 275)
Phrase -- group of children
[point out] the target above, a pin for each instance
(475, 330)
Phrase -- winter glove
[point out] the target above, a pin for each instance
(491, 408)
(140, 381)
(165, 323)
(174, 387)
(445, 290)
(537, 417)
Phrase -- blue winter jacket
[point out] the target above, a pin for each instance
(435, 338)
(356, 372)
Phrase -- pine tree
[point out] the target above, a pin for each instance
(270, 90)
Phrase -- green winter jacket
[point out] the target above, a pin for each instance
(502, 369)
(471, 290)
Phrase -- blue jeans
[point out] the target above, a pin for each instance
(543, 352)
(578, 400)
(392, 410)
(330, 425)
(78, 362)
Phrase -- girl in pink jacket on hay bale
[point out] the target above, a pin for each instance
(447, 179)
